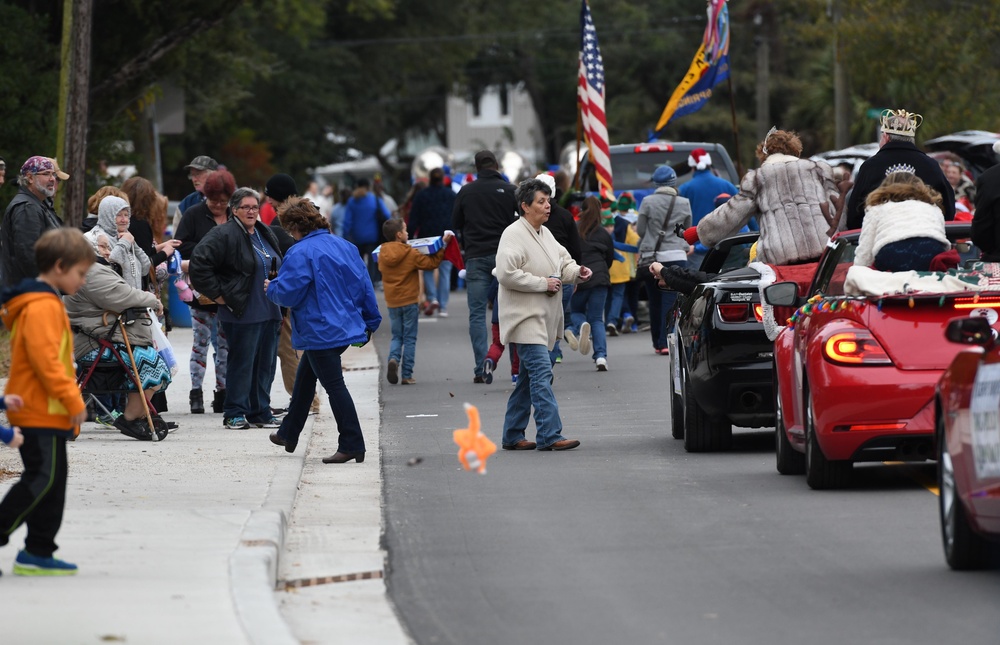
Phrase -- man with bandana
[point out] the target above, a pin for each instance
(897, 153)
(28, 215)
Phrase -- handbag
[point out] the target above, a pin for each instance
(646, 259)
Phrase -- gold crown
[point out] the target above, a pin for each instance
(900, 122)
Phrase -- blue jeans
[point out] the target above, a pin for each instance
(323, 364)
(533, 389)
(442, 289)
(403, 322)
(253, 352)
(660, 303)
(478, 275)
(588, 305)
(616, 297)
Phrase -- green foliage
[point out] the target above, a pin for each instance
(291, 84)
(29, 81)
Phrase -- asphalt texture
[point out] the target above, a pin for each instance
(629, 539)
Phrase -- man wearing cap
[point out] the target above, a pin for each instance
(659, 215)
(897, 152)
(701, 190)
(28, 215)
(198, 169)
(484, 208)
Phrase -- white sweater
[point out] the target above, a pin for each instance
(525, 260)
(895, 221)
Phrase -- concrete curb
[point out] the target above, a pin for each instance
(253, 565)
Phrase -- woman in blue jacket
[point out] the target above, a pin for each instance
(322, 281)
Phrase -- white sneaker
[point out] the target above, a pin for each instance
(585, 345)
(442, 314)
(571, 339)
(602, 364)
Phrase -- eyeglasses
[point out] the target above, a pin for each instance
(217, 202)
(248, 209)
(47, 173)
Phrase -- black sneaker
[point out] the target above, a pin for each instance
(136, 428)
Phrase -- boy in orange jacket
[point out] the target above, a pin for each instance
(400, 264)
(42, 371)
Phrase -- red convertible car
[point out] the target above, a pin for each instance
(855, 374)
(968, 444)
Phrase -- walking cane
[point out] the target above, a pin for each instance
(138, 383)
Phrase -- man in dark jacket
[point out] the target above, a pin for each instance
(484, 208)
(28, 215)
(897, 152)
(986, 221)
(430, 216)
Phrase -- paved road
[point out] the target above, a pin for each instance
(631, 540)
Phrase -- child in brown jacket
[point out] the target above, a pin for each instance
(400, 264)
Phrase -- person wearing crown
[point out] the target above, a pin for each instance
(897, 153)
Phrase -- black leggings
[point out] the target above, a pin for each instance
(39, 497)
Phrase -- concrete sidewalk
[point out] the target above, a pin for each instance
(179, 541)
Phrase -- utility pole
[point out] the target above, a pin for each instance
(763, 44)
(841, 97)
(74, 92)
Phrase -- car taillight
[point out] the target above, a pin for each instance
(855, 348)
(758, 312)
(979, 302)
(734, 313)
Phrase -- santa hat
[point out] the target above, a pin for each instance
(699, 159)
(453, 254)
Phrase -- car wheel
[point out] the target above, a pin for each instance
(676, 399)
(703, 433)
(822, 473)
(964, 549)
(788, 460)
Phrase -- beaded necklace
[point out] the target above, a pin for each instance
(261, 252)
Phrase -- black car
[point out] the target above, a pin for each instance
(720, 356)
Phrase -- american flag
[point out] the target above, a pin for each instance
(590, 95)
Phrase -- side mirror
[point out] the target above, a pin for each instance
(782, 294)
(974, 330)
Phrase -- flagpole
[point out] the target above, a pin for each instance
(736, 135)
(579, 135)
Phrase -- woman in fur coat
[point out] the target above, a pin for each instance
(787, 195)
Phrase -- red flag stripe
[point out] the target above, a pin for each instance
(590, 95)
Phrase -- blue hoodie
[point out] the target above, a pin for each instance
(326, 285)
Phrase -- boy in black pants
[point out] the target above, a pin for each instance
(42, 372)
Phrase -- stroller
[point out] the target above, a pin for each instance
(99, 377)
